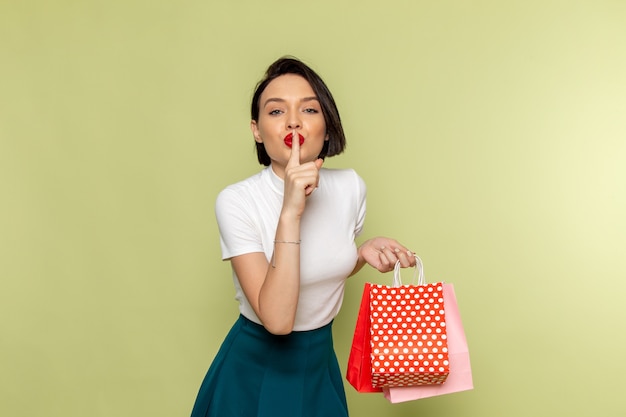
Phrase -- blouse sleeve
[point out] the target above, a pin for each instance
(239, 233)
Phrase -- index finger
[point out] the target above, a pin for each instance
(294, 158)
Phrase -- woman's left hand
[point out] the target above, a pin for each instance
(382, 253)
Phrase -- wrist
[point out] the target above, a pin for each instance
(289, 216)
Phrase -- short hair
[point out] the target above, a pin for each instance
(336, 142)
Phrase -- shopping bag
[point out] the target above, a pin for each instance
(359, 371)
(400, 336)
(408, 333)
(460, 377)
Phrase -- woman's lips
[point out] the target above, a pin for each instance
(289, 139)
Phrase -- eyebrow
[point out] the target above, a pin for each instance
(282, 100)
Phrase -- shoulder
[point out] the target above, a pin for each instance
(240, 196)
(242, 188)
(247, 183)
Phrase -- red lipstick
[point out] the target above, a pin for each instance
(289, 139)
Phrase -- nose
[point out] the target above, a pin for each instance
(293, 121)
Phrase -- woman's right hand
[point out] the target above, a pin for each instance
(300, 180)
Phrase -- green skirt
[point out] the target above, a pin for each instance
(258, 374)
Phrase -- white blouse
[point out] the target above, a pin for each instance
(247, 216)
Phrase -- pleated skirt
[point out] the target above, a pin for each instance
(258, 374)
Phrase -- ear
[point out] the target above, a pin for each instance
(255, 131)
(326, 138)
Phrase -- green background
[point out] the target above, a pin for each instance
(491, 135)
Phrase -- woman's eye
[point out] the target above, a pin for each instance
(275, 112)
(311, 111)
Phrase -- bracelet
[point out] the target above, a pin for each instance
(293, 242)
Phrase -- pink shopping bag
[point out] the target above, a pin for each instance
(460, 376)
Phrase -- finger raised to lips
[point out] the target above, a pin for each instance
(294, 159)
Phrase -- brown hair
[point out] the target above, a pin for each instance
(336, 142)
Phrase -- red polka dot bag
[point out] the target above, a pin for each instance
(460, 376)
(400, 338)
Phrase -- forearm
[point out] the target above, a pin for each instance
(278, 296)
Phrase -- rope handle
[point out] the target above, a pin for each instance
(419, 273)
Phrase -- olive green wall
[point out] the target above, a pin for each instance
(491, 134)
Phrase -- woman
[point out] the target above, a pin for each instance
(289, 233)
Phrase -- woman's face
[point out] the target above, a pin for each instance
(289, 103)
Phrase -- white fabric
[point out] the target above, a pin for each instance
(247, 216)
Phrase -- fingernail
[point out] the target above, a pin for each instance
(396, 250)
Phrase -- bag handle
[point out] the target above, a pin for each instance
(419, 272)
